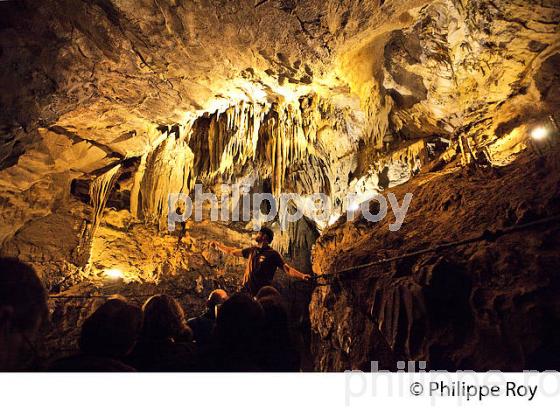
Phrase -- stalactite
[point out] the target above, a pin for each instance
(243, 122)
(299, 237)
(135, 202)
(168, 170)
(412, 156)
(99, 193)
(284, 142)
(279, 143)
(272, 138)
(225, 140)
(310, 117)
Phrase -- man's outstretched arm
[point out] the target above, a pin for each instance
(294, 273)
(226, 249)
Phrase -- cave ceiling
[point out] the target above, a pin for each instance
(108, 70)
(87, 84)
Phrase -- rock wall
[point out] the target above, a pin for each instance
(457, 68)
(485, 305)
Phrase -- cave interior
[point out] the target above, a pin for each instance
(110, 107)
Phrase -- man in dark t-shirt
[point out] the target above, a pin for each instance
(262, 262)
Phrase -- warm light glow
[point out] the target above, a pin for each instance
(539, 133)
(114, 273)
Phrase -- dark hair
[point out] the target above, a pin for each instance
(22, 290)
(268, 232)
(267, 291)
(275, 313)
(239, 319)
(277, 350)
(163, 318)
(111, 330)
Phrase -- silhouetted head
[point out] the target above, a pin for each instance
(164, 318)
(265, 236)
(216, 298)
(267, 291)
(112, 330)
(186, 336)
(239, 320)
(275, 314)
(23, 308)
(276, 348)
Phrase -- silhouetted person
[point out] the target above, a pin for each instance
(23, 309)
(384, 180)
(262, 262)
(160, 347)
(267, 291)
(182, 224)
(203, 325)
(186, 336)
(107, 336)
(237, 336)
(278, 353)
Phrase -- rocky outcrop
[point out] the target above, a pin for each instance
(485, 305)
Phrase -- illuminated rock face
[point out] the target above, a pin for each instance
(85, 85)
(285, 96)
(481, 306)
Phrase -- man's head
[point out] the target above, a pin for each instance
(275, 315)
(23, 308)
(216, 298)
(265, 236)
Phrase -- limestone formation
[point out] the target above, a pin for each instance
(109, 106)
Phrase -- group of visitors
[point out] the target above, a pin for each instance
(246, 331)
